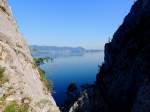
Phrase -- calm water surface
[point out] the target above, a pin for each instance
(78, 69)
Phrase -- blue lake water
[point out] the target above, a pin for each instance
(78, 69)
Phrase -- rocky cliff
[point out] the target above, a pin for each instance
(123, 83)
(19, 78)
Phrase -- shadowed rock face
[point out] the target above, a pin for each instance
(125, 74)
(123, 83)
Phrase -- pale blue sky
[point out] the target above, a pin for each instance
(86, 23)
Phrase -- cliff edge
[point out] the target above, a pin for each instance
(123, 83)
(19, 78)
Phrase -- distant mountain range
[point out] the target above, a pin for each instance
(54, 51)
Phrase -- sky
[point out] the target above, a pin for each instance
(85, 23)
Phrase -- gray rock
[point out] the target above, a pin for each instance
(21, 79)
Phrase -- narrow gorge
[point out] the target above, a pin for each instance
(122, 82)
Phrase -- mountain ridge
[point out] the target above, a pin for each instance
(54, 51)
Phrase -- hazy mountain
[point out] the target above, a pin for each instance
(54, 51)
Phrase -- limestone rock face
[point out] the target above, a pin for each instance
(123, 83)
(21, 79)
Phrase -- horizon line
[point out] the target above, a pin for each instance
(67, 46)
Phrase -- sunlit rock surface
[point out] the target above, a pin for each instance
(21, 79)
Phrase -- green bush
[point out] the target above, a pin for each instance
(2, 70)
(23, 108)
(42, 74)
(3, 79)
(14, 107)
(47, 83)
(38, 62)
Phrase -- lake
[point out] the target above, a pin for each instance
(79, 69)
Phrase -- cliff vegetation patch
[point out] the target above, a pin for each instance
(37, 63)
(3, 79)
(14, 107)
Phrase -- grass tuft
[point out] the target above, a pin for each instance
(14, 107)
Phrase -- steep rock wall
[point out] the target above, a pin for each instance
(123, 83)
(21, 79)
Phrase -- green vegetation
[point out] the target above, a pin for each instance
(14, 107)
(38, 62)
(3, 98)
(2, 78)
(42, 74)
(47, 83)
(5, 95)
(2, 70)
(2, 101)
